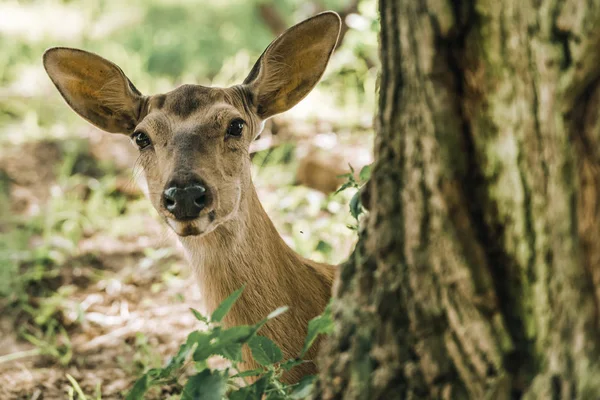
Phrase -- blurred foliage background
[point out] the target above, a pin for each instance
(91, 284)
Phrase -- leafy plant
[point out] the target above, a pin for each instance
(356, 208)
(213, 384)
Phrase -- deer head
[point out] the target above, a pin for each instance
(194, 141)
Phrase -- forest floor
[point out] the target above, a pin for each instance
(123, 301)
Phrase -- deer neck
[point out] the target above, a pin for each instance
(246, 250)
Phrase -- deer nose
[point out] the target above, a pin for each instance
(185, 203)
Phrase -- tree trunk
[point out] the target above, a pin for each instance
(478, 272)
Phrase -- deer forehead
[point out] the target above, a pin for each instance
(187, 99)
(193, 109)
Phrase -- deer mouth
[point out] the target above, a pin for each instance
(194, 227)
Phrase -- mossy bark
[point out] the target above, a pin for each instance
(478, 272)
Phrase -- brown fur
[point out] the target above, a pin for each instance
(233, 242)
(248, 250)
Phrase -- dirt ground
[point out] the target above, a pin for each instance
(136, 308)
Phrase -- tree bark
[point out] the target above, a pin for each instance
(477, 275)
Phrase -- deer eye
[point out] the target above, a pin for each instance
(141, 139)
(236, 127)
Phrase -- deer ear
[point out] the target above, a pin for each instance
(293, 64)
(95, 88)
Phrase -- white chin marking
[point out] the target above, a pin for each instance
(179, 226)
(195, 227)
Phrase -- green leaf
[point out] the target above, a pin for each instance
(196, 337)
(304, 388)
(199, 316)
(139, 389)
(321, 324)
(251, 372)
(323, 247)
(227, 343)
(177, 361)
(244, 393)
(237, 334)
(345, 185)
(231, 351)
(203, 345)
(154, 373)
(276, 395)
(277, 312)
(207, 385)
(365, 173)
(347, 175)
(289, 364)
(355, 207)
(264, 351)
(184, 350)
(226, 305)
(254, 391)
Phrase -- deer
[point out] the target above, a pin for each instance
(194, 152)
